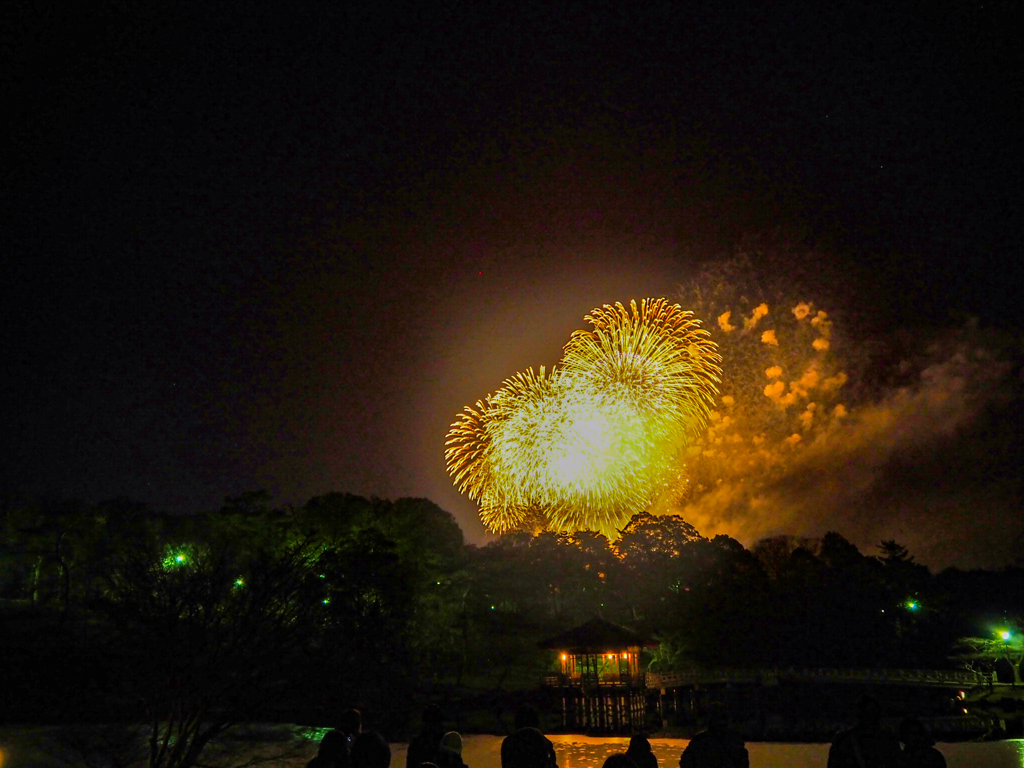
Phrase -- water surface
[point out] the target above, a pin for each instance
(590, 752)
(29, 747)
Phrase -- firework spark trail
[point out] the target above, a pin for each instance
(593, 441)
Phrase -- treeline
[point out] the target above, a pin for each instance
(785, 602)
(255, 611)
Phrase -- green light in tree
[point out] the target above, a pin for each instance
(912, 605)
(239, 582)
(314, 734)
(176, 557)
(1005, 635)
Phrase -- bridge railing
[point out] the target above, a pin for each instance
(934, 677)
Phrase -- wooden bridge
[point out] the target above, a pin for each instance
(930, 678)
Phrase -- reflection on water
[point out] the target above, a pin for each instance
(590, 752)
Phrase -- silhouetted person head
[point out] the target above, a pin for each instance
(449, 751)
(453, 741)
(619, 760)
(869, 713)
(639, 743)
(865, 743)
(424, 746)
(433, 717)
(640, 752)
(332, 745)
(914, 735)
(527, 748)
(527, 717)
(370, 750)
(350, 722)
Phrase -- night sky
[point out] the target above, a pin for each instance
(252, 248)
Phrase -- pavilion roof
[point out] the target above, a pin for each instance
(596, 636)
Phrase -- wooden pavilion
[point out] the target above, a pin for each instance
(601, 683)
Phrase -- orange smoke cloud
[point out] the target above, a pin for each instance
(909, 463)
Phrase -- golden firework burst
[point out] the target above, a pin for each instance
(591, 442)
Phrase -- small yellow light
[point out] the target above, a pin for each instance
(564, 657)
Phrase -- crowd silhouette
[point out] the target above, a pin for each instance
(865, 744)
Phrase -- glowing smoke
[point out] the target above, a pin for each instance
(814, 432)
